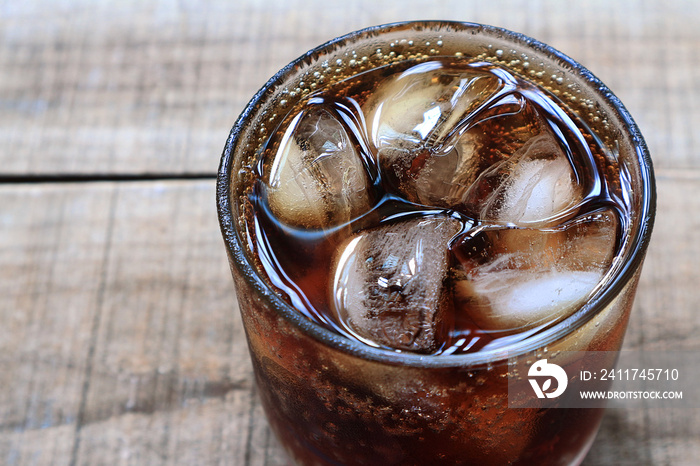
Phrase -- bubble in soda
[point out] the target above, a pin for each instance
(439, 207)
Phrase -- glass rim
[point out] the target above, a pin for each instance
(630, 262)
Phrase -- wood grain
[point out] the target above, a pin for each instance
(120, 340)
(154, 87)
(121, 334)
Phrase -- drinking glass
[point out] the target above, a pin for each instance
(335, 401)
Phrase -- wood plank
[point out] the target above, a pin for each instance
(154, 87)
(121, 335)
(664, 318)
(121, 340)
(52, 244)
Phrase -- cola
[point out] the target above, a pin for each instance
(416, 213)
(439, 207)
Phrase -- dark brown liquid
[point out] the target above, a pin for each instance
(299, 261)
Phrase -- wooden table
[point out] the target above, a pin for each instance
(120, 340)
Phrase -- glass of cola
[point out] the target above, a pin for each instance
(414, 214)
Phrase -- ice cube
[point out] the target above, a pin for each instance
(317, 177)
(412, 117)
(512, 299)
(535, 187)
(388, 285)
(420, 106)
(441, 175)
(517, 278)
(497, 132)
